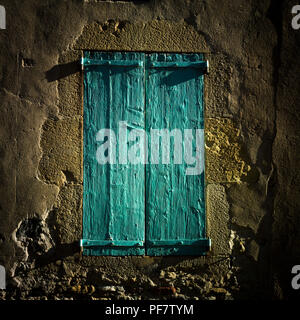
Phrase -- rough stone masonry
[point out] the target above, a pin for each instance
(252, 137)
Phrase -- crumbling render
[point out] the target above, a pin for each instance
(33, 236)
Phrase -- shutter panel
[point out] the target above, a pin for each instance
(113, 194)
(175, 202)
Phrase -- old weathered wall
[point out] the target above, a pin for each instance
(251, 139)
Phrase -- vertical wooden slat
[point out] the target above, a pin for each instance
(175, 204)
(113, 196)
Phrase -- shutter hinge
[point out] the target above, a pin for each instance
(205, 243)
(110, 243)
(112, 63)
(201, 65)
(207, 66)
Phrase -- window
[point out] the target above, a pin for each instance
(143, 156)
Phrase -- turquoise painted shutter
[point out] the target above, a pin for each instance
(175, 201)
(133, 209)
(113, 194)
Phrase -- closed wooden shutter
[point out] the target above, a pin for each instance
(156, 208)
(175, 201)
(113, 194)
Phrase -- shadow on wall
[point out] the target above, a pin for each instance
(62, 70)
(59, 252)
